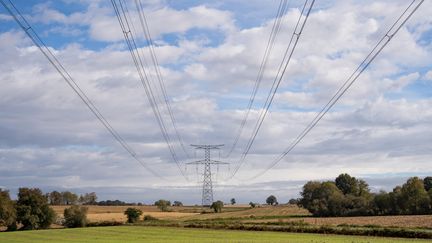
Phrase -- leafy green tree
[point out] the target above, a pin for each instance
(233, 201)
(177, 203)
(347, 184)
(7, 211)
(252, 204)
(55, 198)
(162, 204)
(33, 211)
(322, 199)
(427, 181)
(383, 203)
(133, 214)
(396, 201)
(271, 200)
(217, 206)
(69, 198)
(293, 201)
(363, 189)
(88, 199)
(75, 216)
(415, 199)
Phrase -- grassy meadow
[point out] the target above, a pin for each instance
(170, 234)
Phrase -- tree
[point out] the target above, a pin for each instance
(162, 204)
(177, 203)
(427, 181)
(322, 198)
(233, 201)
(271, 200)
(33, 211)
(55, 198)
(133, 214)
(69, 198)
(383, 203)
(347, 184)
(217, 206)
(252, 204)
(7, 211)
(75, 216)
(293, 201)
(88, 199)
(415, 199)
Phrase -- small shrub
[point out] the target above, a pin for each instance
(133, 214)
(149, 217)
(75, 216)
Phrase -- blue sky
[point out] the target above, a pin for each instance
(209, 54)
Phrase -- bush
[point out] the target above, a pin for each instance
(104, 223)
(149, 217)
(75, 217)
(133, 214)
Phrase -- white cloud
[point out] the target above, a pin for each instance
(43, 124)
(428, 76)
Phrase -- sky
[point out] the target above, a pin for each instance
(209, 54)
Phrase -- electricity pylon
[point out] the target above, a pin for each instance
(207, 187)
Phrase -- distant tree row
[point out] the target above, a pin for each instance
(349, 196)
(70, 198)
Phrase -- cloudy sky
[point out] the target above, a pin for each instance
(209, 54)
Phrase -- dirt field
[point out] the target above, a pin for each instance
(283, 213)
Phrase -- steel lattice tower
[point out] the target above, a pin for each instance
(207, 187)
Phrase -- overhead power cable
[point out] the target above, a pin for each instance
(301, 22)
(126, 26)
(146, 31)
(31, 33)
(388, 36)
(283, 6)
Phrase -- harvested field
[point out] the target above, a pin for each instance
(264, 214)
(115, 213)
(264, 211)
(409, 221)
(98, 217)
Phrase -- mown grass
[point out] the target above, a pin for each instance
(170, 234)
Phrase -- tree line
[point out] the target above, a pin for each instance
(32, 209)
(349, 196)
(70, 198)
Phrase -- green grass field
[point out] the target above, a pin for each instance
(168, 234)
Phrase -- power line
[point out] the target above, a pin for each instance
(283, 6)
(123, 15)
(31, 33)
(146, 31)
(397, 25)
(301, 22)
